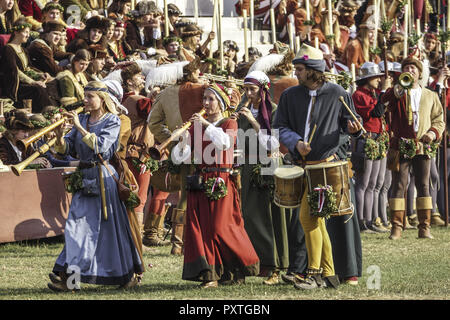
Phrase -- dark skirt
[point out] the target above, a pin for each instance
(346, 242)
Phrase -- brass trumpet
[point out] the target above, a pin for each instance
(406, 80)
(223, 79)
(18, 168)
(156, 152)
(24, 143)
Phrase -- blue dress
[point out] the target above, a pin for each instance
(101, 250)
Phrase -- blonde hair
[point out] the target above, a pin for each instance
(102, 91)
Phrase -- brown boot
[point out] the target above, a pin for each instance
(397, 224)
(151, 238)
(424, 206)
(436, 220)
(424, 216)
(397, 206)
(178, 221)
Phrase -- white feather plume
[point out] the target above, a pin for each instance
(146, 65)
(114, 75)
(166, 74)
(267, 63)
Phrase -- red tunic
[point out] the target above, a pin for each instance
(365, 102)
(216, 243)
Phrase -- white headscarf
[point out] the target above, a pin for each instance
(115, 91)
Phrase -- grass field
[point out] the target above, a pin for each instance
(409, 268)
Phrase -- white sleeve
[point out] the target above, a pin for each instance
(181, 153)
(270, 143)
(218, 137)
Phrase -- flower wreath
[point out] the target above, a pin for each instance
(430, 149)
(20, 27)
(133, 200)
(322, 201)
(40, 124)
(383, 143)
(407, 147)
(215, 188)
(149, 165)
(49, 114)
(262, 181)
(371, 149)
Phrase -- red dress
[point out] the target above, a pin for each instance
(217, 246)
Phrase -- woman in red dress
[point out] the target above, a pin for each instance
(217, 248)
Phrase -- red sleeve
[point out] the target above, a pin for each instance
(144, 106)
(26, 7)
(363, 105)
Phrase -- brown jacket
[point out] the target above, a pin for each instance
(42, 57)
(141, 138)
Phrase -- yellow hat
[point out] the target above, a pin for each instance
(311, 57)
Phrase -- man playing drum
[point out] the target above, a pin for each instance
(313, 124)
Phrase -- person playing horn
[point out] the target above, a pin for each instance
(98, 246)
(217, 248)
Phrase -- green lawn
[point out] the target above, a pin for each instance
(409, 269)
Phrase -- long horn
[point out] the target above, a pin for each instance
(24, 143)
(18, 168)
(155, 152)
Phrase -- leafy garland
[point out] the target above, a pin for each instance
(375, 51)
(386, 25)
(345, 80)
(383, 143)
(171, 167)
(40, 124)
(74, 182)
(133, 200)
(371, 149)
(49, 114)
(413, 39)
(430, 149)
(407, 148)
(150, 165)
(325, 197)
(443, 37)
(33, 74)
(262, 181)
(2, 127)
(215, 188)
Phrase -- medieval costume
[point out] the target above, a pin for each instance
(19, 79)
(82, 39)
(296, 114)
(416, 123)
(217, 246)
(99, 248)
(265, 222)
(171, 108)
(366, 156)
(42, 55)
(71, 86)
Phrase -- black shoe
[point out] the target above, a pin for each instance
(331, 282)
(54, 278)
(363, 228)
(292, 277)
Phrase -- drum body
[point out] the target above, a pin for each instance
(289, 183)
(335, 174)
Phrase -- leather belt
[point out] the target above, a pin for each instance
(226, 170)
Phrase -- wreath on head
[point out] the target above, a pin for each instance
(49, 114)
(21, 27)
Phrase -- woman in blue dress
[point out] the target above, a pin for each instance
(98, 245)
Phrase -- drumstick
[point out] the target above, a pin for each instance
(352, 114)
(312, 134)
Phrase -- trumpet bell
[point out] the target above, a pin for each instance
(406, 80)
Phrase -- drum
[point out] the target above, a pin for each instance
(335, 174)
(288, 182)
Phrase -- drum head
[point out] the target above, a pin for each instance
(288, 172)
(326, 165)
